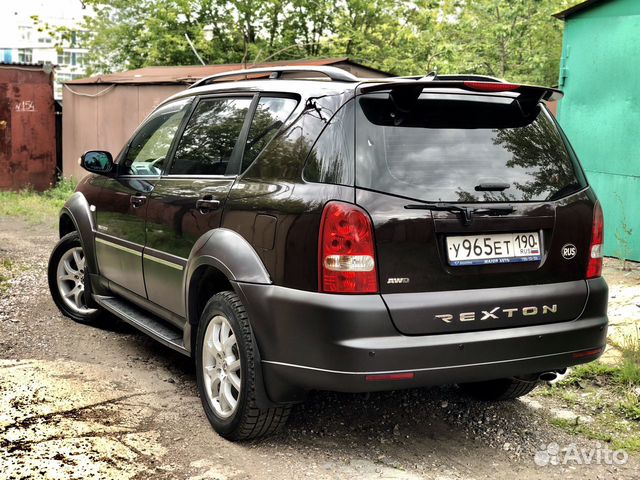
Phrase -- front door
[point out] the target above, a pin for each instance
(188, 199)
(121, 206)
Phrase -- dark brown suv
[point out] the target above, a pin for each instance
(300, 228)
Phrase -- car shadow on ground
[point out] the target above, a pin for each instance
(421, 427)
(368, 422)
(146, 347)
(405, 413)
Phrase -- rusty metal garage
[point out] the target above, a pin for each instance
(27, 127)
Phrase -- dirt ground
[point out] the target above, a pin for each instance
(107, 402)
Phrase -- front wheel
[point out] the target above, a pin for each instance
(67, 275)
(225, 370)
(502, 388)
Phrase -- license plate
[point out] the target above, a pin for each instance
(494, 248)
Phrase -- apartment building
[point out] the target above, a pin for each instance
(25, 37)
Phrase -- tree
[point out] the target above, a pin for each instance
(515, 39)
(127, 34)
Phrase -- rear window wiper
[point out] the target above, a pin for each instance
(492, 187)
(467, 212)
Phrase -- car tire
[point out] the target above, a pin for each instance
(501, 389)
(226, 372)
(66, 274)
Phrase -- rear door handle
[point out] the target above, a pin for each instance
(137, 200)
(207, 204)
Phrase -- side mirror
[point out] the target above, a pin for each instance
(97, 161)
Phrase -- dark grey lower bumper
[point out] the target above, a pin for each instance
(310, 340)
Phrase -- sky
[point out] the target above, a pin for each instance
(18, 12)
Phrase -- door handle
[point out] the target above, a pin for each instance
(137, 200)
(207, 204)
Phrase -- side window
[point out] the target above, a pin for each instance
(150, 146)
(331, 159)
(210, 137)
(271, 113)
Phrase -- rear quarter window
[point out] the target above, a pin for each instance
(331, 158)
(449, 147)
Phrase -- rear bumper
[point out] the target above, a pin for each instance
(310, 340)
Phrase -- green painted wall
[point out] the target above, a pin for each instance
(600, 76)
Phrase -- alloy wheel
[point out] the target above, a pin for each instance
(70, 280)
(221, 367)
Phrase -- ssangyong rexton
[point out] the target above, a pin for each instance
(299, 228)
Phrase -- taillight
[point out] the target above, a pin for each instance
(346, 250)
(594, 268)
(491, 86)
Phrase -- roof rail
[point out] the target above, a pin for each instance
(334, 74)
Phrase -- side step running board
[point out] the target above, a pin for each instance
(144, 321)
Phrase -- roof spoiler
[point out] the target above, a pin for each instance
(404, 93)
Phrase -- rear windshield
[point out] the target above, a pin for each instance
(462, 148)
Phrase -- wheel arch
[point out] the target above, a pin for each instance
(218, 260)
(66, 225)
(76, 216)
(205, 281)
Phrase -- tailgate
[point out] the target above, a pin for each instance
(452, 187)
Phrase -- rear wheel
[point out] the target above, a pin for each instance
(225, 369)
(502, 388)
(67, 275)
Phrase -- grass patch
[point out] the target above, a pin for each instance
(594, 371)
(630, 407)
(6, 272)
(617, 436)
(609, 395)
(625, 374)
(629, 372)
(36, 207)
(576, 427)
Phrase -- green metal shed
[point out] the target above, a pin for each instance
(600, 112)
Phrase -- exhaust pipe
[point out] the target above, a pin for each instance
(548, 376)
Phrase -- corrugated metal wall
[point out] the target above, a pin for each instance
(103, 117)
(27, 128)
(600, 75)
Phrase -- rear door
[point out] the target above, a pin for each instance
(473, 199)
(188, 199)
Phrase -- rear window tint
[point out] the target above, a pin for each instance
(450, 148)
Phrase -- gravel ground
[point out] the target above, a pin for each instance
(107, 402)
